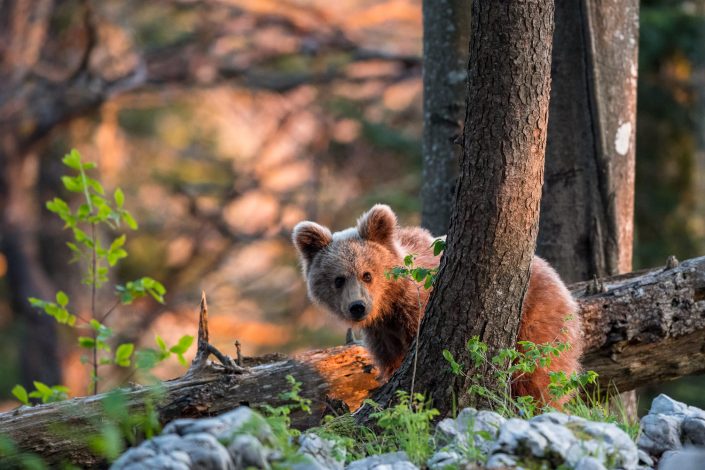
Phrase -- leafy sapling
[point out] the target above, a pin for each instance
(424, 276)
(97, 211)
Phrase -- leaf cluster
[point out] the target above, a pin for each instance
(42, 392)
(510, 365)
(421, 275)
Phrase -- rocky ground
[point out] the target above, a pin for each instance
(672, 437)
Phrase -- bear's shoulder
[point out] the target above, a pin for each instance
(417, 241)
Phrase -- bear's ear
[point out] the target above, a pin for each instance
(310, 238)
(378, 224)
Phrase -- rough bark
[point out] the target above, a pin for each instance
(445, 51)
(587, 206)
(494, 223)
(644, 328)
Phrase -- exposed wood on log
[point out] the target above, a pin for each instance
(645, 327)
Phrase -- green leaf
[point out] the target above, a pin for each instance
(104, 212)
(118, 242)
(454, 366)
(42, 388)
(147, 358)
(439, 245)
(97, 187)
(62, 299)
(161, 343)
(21, 394)
(86, 342)
(104, 333)
(58, 206)
(35, 302)
(82, 237)
(123, 353)
(129, 220)
(183, 345)
(75, 185)
(119, 198)
(72, 160)
(159, 288)
(182, 359)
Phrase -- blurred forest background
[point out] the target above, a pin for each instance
(228, 121)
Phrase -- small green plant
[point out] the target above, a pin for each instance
(121, 426)
(43, 392)
(357, 440)
(406, 426)
(97, 211)
(509, 366)
(279, 416)
(595, 404)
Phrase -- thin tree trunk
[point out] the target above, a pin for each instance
(445, 51)
(485, 269)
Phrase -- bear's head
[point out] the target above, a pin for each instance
(346, 271)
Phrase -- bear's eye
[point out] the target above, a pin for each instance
(367, 277)
(339, 281)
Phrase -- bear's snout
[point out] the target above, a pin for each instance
(357, 310)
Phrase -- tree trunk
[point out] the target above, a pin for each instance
(646, 327)
(485, 269)
(445, 52)
(587, 206)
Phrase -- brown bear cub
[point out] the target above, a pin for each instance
(345, 274)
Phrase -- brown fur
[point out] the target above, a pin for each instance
(377, 245)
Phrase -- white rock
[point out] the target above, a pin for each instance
(444, 459)
(660, 433)
(322, 450)
(689, 458)
(693, 430)
(392, 461)
(500, 461)
(589, 463)
(247, 451)
(665, 405)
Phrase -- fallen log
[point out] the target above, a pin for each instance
(640, 328)
(645, 327)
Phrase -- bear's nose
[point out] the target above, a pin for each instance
(357, 310)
